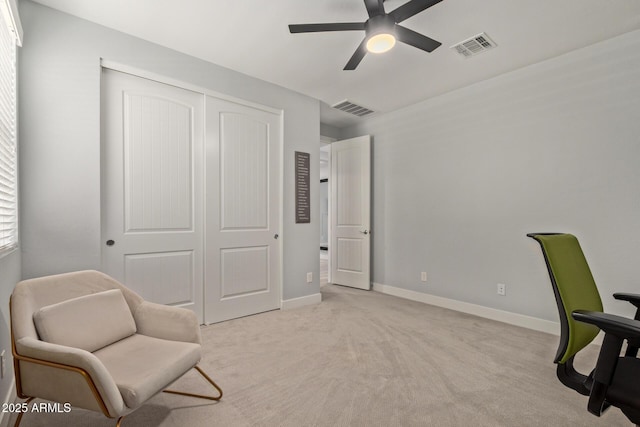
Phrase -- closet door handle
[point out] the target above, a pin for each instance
(111, 242)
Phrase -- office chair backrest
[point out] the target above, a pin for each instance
(574, 288)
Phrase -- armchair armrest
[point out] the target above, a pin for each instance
(63, 358)
(169, 323)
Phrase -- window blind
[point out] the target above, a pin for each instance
(8, 140)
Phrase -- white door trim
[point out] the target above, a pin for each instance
(150, 75)
(281, 220)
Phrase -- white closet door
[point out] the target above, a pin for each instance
(242, 273)
(152, 179)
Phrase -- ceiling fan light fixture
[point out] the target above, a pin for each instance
(381, 43)
(381, 29)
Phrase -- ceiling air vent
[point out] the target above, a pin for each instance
(474, 45)
(351, 108)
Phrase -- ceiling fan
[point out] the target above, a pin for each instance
(381, 29)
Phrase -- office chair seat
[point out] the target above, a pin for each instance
(625, 385)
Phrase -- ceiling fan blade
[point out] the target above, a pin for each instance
(414, 39)
(411, 8)
(360, 52)
(374, 7)
(314, 28)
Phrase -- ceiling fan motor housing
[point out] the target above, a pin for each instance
(380, 24)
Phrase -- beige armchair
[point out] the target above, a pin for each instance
(85, 339)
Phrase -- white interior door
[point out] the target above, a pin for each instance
(350, 212)
(242, 275)
(152, 150)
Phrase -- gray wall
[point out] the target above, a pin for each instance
(59, 105)
(460, 179)
(330, 131)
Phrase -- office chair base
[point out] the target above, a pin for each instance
(200, 396)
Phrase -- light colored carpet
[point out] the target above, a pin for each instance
(366, 359)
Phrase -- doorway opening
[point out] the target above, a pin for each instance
(325, 188)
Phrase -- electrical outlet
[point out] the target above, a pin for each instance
(423, 276)
(2, 364)
(502, 289)
(309, 277)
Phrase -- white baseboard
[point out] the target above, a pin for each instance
(300, 302)
(477, 310)
(9, 398)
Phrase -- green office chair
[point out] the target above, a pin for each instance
(615, 381)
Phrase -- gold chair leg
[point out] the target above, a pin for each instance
(20, 414)
(201, 396)
(119, 422)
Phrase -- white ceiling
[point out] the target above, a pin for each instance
(251, 36)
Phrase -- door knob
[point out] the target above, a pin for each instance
(110, 242)
(365, 232)
(275, 236)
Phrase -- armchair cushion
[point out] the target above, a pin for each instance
(141, 366)
(89, 322)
